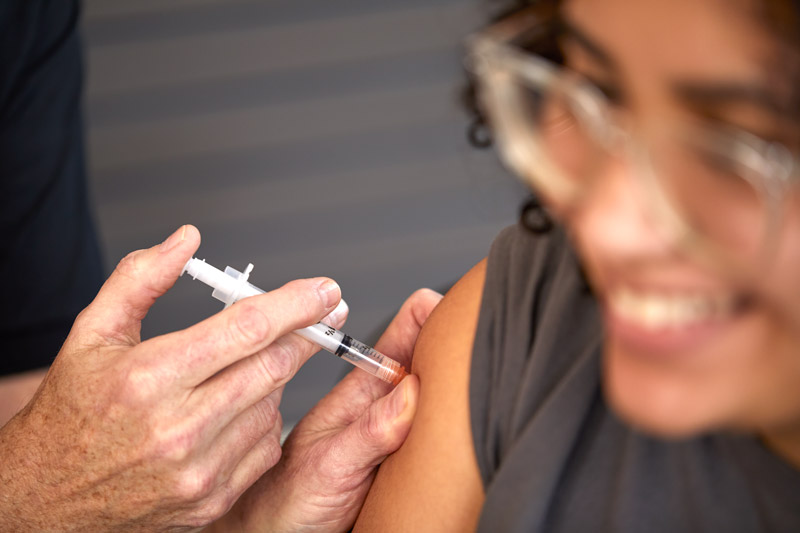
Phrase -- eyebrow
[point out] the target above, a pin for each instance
(716, 95)
(707, 95)
(571, 31)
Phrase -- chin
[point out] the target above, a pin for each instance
(654, 402)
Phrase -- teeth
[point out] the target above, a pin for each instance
(660, 311)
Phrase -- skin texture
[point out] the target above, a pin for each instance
(16, 391)
(432, 483)
(166, 434)
(740, 374)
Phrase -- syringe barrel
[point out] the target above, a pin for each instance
(371, 360)
(327, 337)
(357, 353)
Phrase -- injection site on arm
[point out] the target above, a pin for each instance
(231, 286)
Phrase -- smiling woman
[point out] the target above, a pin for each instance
(636, 368)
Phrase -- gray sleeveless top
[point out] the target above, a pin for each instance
(554, 458)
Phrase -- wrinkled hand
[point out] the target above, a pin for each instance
(162, 434)
(330, 459)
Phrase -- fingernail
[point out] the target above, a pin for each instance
(399, 400)
(336, 317)
(173, 240)
(329, 292)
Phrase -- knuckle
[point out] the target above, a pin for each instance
(267, 415)
(422, 302)
(147, 279)
(212, 508)
(278, 362)
(263, 420)
(129, 265)
(194, 484)
(271, 452)
(173, 444)
(371, 430)
(425, 294)
(138, 385)
(250, 324)
(84, 329)
(81, 319)
(420, 294)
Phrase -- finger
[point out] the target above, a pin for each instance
(401, 335)
(397, 342)
(379, 431)
(243, 329)
(263, 456)
(338, 316)
(138, 280)
(358, 390)
(235, 441)
(242, 454)
(242, 384)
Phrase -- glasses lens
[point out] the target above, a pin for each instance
(704, 181)
(546, 123)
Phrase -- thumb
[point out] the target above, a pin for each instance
(382, 428)
(138, 280)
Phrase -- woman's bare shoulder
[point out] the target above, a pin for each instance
(432, 482)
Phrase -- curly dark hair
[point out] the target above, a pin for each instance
(533, 215)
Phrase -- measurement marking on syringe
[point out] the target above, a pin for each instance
(347, 342)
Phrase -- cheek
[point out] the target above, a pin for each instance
(781, 287)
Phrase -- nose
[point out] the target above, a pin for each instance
(615, 221)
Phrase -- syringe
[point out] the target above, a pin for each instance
(232, 285)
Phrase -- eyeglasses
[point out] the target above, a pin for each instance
(716, 192)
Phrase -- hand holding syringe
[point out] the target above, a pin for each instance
(232, 285)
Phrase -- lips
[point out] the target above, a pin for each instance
(657, 322)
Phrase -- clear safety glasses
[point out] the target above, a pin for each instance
(717, 193)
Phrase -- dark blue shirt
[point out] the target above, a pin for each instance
(50, 265)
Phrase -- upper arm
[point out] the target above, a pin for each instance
(432, 483)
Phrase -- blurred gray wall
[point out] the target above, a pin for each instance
(309, 137)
